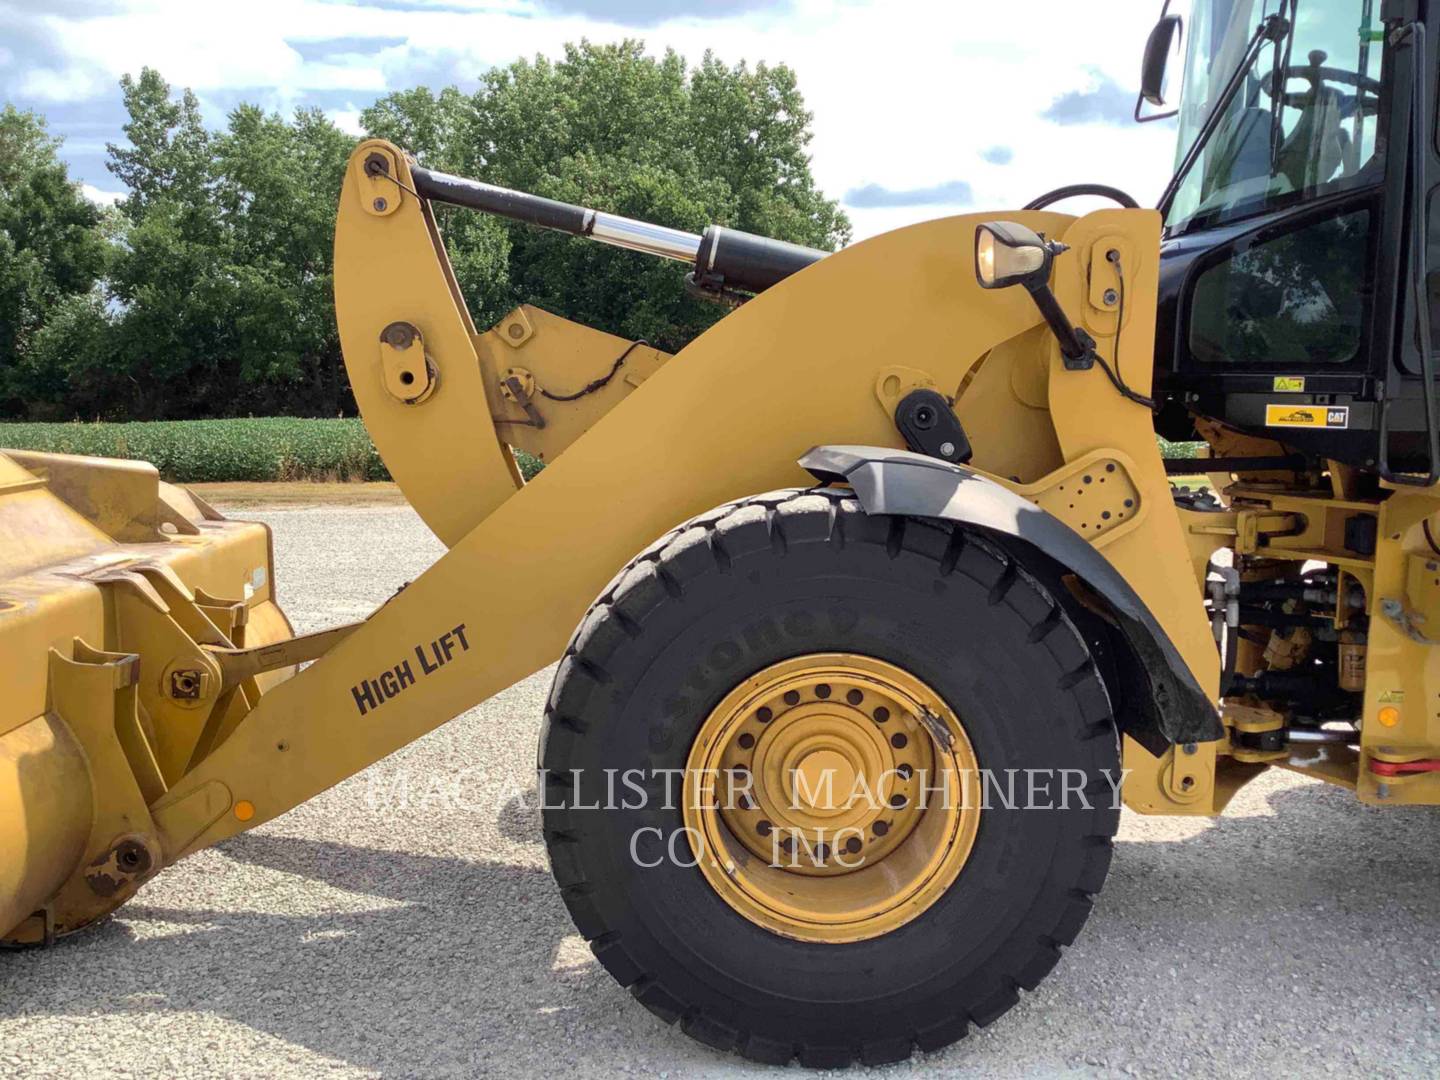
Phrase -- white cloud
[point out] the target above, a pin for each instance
(101, 198)
(347, 120)
(906, 93)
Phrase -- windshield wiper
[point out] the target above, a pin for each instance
(1271, 28)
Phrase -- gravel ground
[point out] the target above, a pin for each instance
(367, 934)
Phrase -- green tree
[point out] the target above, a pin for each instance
(278, 186)
(170, 157)
(610, 127)
(215, 271)
(223, 285)
(51, 252)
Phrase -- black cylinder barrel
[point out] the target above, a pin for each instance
(517, 205)
(742, 260)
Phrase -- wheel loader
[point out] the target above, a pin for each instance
(866, 603)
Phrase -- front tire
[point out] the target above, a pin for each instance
(726, 598)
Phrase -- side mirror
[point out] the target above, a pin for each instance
(1010, 254)
(1157, 57)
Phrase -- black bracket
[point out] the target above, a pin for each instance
(930, 426)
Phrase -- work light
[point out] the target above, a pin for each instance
(1010, 254)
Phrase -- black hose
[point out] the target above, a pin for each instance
(1070, 191)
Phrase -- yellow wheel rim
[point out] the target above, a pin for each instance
(832, 797)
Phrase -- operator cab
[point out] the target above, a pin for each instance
(1287, 297)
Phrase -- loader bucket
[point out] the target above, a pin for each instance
(99, 562)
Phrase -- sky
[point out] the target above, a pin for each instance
(922, 109)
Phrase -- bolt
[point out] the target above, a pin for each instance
(399, 335)
(881, 714)
(1110, 297)
(897, 801)
(764, 715)
(924, 417)
(516, 331)
(881, 828)
(763, 827)
(746, 741)
(947, 449)
(379, 205)
(854, 697)
(792, 697)
(823, 690)
(1190, 748)
(898, 740)
(853, 845)
(187, 685)
(1382, 791)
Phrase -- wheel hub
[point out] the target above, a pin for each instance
(822, 805)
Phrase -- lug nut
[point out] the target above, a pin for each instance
(746, 741)
(881, 828)
(792, 697)
(764, 715)
(881, 714)
(898, 740)
(764, 828)
(853, 845)
(823, 690)
(854, 697)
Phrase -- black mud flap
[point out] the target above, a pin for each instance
(912, 485)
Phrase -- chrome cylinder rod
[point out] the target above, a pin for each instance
(612, 229)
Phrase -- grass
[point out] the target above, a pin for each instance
(200, 451)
